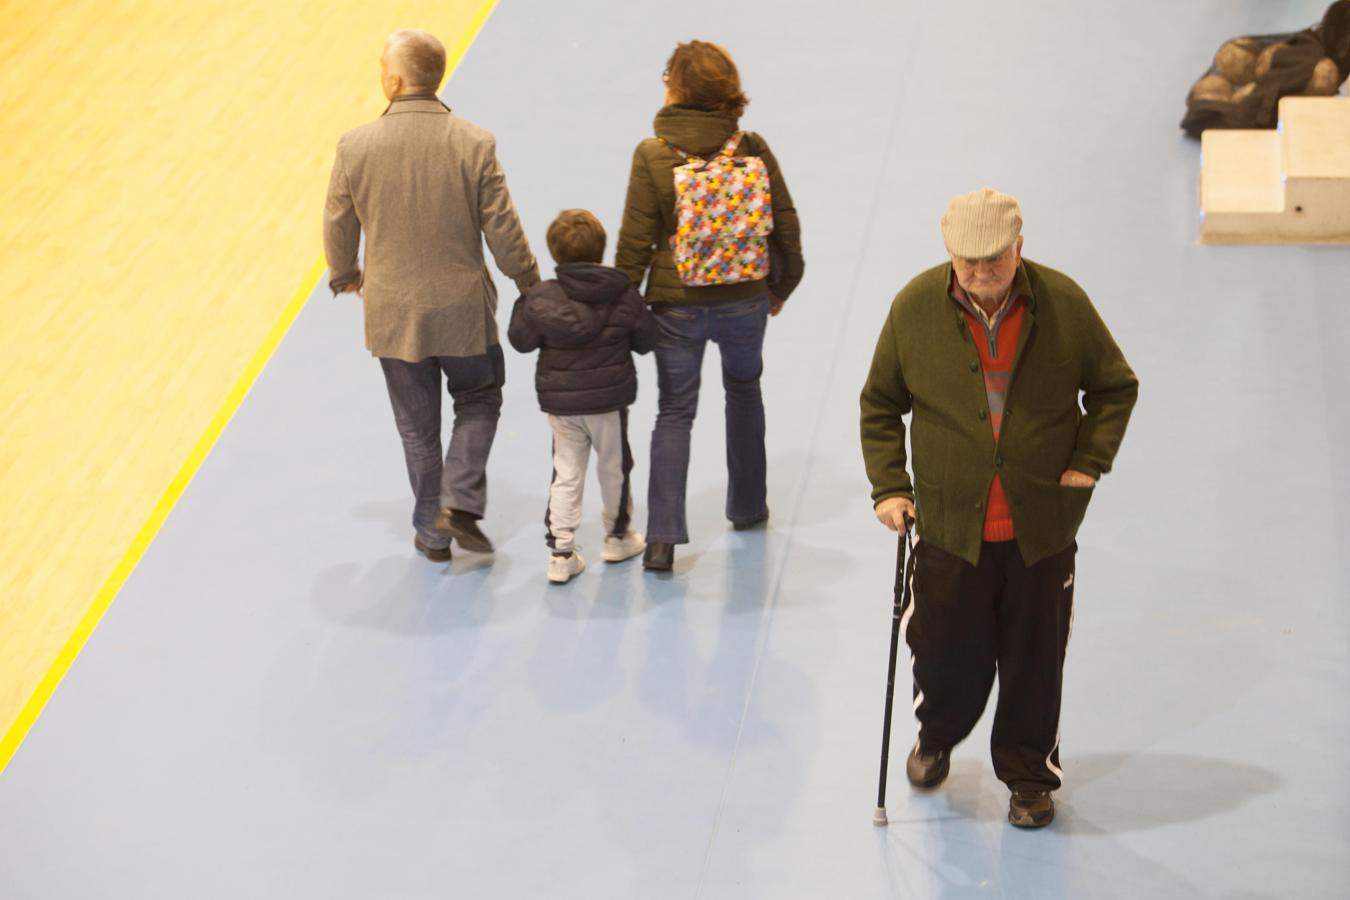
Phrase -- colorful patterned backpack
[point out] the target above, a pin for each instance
(723, 216)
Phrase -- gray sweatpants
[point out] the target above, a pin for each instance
(573, 438)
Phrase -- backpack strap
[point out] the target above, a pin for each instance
(728, 149)
(685, 153)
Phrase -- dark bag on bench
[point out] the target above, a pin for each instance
(1242, 89)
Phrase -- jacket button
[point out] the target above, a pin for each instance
(979, 505)
(983, 414)
(974, 366)
(998, 460)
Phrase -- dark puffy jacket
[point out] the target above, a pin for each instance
(649, 211)
(586, 324)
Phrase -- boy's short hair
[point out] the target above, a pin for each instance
(576, 236)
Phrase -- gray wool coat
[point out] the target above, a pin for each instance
(426, 187)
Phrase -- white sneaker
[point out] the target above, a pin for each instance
(562, 568)
(617, 549)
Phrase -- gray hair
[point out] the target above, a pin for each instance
(418, 56)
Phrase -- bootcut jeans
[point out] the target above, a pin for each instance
(684, 332)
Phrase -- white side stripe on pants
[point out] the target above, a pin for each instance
(904, 630)
(1059, 773)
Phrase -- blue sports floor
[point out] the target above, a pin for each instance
(286, 702)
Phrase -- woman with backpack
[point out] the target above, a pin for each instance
(698, 217)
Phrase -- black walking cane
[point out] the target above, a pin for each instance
(901, 591)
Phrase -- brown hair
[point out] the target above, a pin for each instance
(421, 57)
(576, 236)
(703, 75)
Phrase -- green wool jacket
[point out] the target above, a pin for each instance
(926, 363)
(649, 212)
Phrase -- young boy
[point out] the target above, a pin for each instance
(586, 324)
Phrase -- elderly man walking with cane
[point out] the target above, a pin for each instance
(990, 353)
(427, 189)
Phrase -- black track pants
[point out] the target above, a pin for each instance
(964, 624)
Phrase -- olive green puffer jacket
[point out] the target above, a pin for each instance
(649, 213)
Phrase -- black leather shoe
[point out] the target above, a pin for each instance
(464, 528)
(435, 554)
(927, 769)
(658, 557)
(1031, 809)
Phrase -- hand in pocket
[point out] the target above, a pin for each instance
(1076, 479)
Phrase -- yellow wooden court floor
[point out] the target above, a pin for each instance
(162, 177)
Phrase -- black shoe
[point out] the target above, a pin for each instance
(658, 557)
(435, 554)
(1031, 809)
(463, 528)
(927, 769)
(752, 524)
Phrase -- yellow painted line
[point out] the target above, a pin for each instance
(132, 557)
(455, 54)
(28, 715)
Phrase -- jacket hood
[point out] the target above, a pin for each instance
(695, 130)
(592, 282)
(573, 309)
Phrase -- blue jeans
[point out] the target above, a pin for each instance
(684, 331)
(459, 481)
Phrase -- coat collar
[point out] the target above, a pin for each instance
(1021, 286)
(693, 130)
(415, 103)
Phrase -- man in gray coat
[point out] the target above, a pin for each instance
(426, 187)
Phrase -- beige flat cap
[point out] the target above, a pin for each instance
(980, 224)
